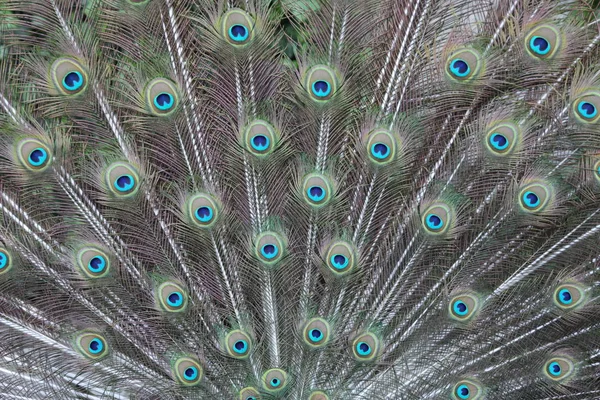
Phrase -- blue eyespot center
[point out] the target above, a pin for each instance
(363, 349)
(463, 392)
(531, 199)
(587, 109)
(124, 183)
(73, 80)
(321, 88)
(260, 142)
(204, 213)
(190, 373)
(565, 297)
(3, 260)
(95, 346)
(339, 261)
(315, 335)
(460, 68)
(175, 299)
(380, 151)
(539, 45)
(97, 264)
(316, 193)
(240, 346)
(499, 141)
(269, 251)
(434, 222)
(38, 157)
(460, 308)
(275, 382)
(164, 101)
(554, 368)
(238, 33)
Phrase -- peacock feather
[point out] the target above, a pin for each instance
(299, 199)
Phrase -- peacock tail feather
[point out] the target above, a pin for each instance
(300, 199)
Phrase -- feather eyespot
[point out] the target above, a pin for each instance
(5, 261)
(340, 258)
(33, 154)
(316, 333)
(316, 190)
(321, 83)
(543, 41)
(171, 297)
(237, 27)
(366, 347)
(91, 345)
(381, 146)
(68, 76)
(463, 307)
(260, 138)
(187, 371)
(464, 65)
(249, 393)
(534, 197)
(568, 296)
(436, 219)
(269, 247)
(502, 139)
(122, 179)
(238, 344)
(597, 170)
(161, 97)
(93, 263)
(558, 368)
(466, 389)
(274, 380)
(586, 106)
(203, 210)
(318, 395)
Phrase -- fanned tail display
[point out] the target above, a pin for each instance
(300, 199)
